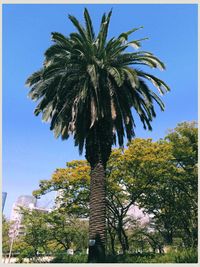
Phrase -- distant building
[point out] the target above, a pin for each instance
(25, 201)
(17, 217)
(22, 201)
(4, 195)
(59, 198)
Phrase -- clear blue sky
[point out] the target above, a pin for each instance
(30, 152)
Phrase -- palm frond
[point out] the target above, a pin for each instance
(34, 78)
(89, 87)
(104, 30)
(89, 26)
(124, 36)
(61, 40)
(79, 27)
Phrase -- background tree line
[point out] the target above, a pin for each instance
(160, 177)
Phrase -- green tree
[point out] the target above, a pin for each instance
(172, 196)
(5, 236)
(68, 232)
(132, 174)
(149, 174)
(88, 87)
(73, 184)
(24, 251)
(36, 233)
(184, 140)
(50, 234)
(129, 175)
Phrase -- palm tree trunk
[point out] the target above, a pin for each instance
(97, 217)
(98, 149)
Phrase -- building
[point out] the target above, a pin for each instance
(22, 201)
(4, 195)
(59, 198)
(16, 217)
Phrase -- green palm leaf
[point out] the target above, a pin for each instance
(88, 82)
(89, 27)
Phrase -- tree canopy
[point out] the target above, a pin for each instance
(160, 177)
(88, 81)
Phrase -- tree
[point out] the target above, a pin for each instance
(5, 236)
(88, 88)
(132, 174)
(172, 196)
(73, 184)
(149, 174)
(49, 233)
(129, 175)
(68, 232)
(36, 233)
(184, 140)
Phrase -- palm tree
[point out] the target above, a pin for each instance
(87, 88)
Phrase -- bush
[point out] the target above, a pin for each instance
(181, 256)
(130, 258)
(64, 258)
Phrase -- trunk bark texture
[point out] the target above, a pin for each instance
(97, 215)
(98, 150)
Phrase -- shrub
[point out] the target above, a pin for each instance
(181, 256)
(130, 258)
(64, 258)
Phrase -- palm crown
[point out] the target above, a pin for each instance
(87, 82)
